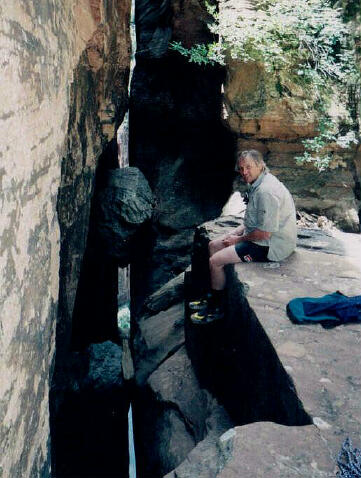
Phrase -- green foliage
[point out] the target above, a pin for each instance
(124, 317)
(306, 37)
(315, 147)
(305, 41)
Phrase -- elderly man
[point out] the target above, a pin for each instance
(268, 234)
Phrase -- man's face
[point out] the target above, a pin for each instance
(249, 170)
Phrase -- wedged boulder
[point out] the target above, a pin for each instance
(90, 431)
(259, 450)
(123, 203)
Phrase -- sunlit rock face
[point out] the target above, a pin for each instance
(63, 93)
(275, 121)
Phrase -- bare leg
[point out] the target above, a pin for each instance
(217, 261)
(215, 246)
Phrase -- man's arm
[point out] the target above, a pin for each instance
(234, 236)
(255, 235)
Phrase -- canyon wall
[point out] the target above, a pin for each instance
(63, 93)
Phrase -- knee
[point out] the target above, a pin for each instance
(214, 246)
(214, 262)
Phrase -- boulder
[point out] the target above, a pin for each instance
(122, 204)
(258, 450)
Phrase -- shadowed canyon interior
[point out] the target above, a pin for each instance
(103, 187)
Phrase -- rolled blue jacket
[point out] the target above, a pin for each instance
(336, 308)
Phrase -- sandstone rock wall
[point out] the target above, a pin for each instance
(63, 93)
(276, 122)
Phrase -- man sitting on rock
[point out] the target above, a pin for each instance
(268, 234)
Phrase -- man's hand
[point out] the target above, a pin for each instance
(231, 239)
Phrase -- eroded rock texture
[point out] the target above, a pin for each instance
(63, 93)
(275, 121)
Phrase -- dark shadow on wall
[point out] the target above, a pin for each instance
(234, 358)
(88, 427)
(96, 304)
(178, 141)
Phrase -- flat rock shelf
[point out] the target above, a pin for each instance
(323, 363)
(303, 376)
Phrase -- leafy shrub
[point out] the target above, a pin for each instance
(305, 41)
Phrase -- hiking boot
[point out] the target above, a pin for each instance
(206, 317)
(199, 317)
(214, 314)
(199, 304)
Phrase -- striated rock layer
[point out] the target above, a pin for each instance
(63, 93)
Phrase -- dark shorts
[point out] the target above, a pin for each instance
(251, 252)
